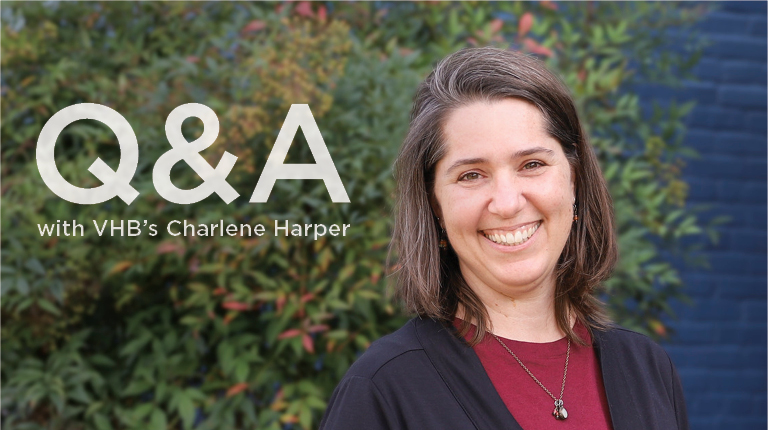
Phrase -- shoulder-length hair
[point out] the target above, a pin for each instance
(429, 281)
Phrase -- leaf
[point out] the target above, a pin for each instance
(226, 353)
(533, 46)
(318, 328)
(308, 343)
(118, 267)
(496, 25)
(22, 286)
(24, 304)
(304, 8)
(169, 247)
(101, 421)
(158, 421)
(34, 265)
(135, 388)
(289, 333)
(142, 411)
(237, 306)
(305, 417)
(322, 13)
(186, 408)
(526, 22)
(548, 4)
(48, 307)
(132, 347)
(237, 388)
(241, 371)
(253, 26)
(316, 403)
(658, 327)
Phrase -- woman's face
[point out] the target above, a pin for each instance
(504, 193)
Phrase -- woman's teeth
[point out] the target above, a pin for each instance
(512, 238)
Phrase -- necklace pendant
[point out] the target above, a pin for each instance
(559, 413)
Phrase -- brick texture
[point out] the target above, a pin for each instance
(720, 342)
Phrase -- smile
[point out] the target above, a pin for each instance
(514, 237)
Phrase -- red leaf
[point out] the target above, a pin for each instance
(219, 291)
(304, 9)
(658, 327)
(191, 59)
(318, 328)
(309, 345)
(168, 247)
(322, 13)
(533, 46)
(236, 389)
(293, 332)
(526, 22)
(496, 25)
(120, 267)
(307, 297)
(236, 306)
(548, 4)
(253, 27)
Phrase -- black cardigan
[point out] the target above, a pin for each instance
(423, 377)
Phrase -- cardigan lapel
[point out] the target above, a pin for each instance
(463, 373)
(621, 403)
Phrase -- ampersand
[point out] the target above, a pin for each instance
(214, 180)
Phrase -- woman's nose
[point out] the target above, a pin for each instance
(507, 198)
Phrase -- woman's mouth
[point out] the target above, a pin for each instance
(514, 237)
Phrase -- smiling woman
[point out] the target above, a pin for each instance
(504, 230)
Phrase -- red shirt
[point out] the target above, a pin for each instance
(584, 395)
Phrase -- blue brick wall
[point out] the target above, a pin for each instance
(720, 345)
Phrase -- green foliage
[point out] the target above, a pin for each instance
(164, 332)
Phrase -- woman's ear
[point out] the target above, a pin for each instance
(573, 184)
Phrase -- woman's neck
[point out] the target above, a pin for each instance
(527, 319)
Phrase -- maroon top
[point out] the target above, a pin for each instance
(584, 395)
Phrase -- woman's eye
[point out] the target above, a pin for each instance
(532, 165)
(469, 176)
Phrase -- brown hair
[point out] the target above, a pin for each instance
(429, 281)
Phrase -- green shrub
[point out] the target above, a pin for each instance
(156, 332)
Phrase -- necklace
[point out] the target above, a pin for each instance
(559, 413)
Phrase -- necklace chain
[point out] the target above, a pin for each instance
(565, 370)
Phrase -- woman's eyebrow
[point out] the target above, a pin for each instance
(531, 151)
(464, 162)
(518, 154)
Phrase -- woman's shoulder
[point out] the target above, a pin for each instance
(615, 336)
(396, 385)
(395, 350)
(639, 371)
(630, 349)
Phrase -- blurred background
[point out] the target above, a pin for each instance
(162, 332)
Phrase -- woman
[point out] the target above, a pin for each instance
(503, 230)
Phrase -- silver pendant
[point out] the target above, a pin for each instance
(559, 413)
